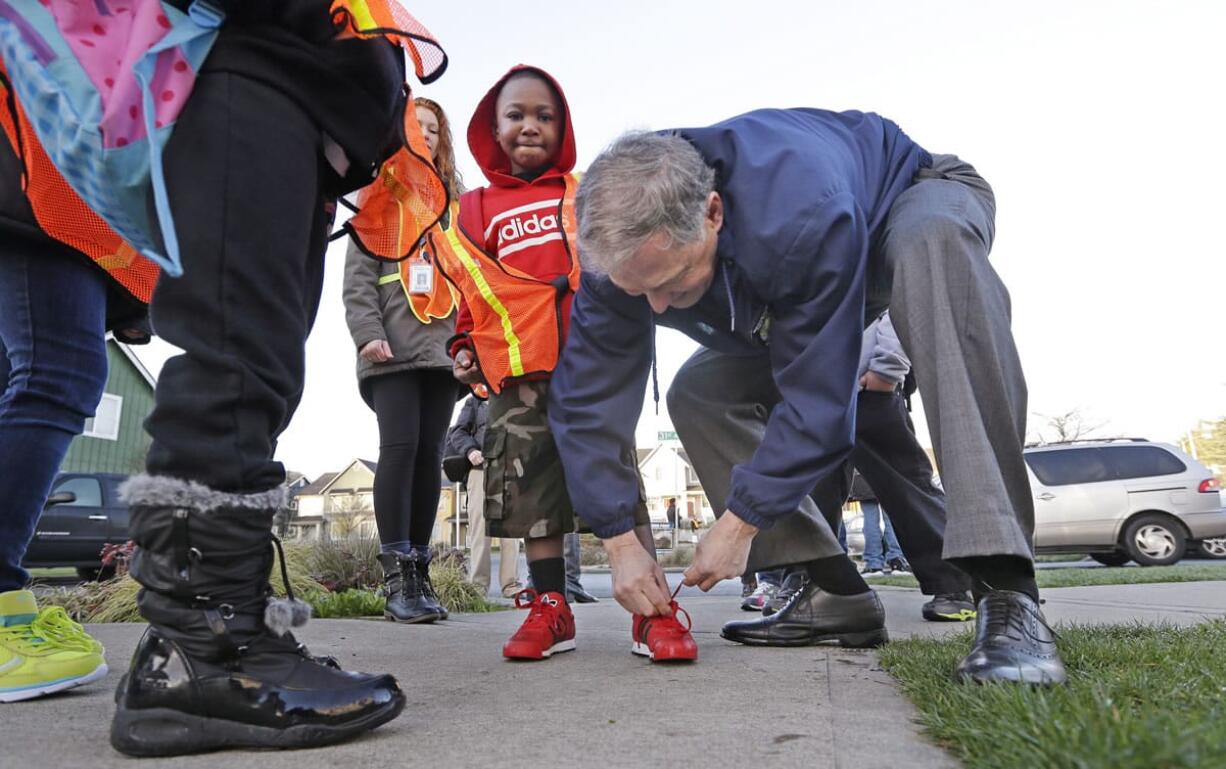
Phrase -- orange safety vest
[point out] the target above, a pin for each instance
(389, 19)
(408, 197)
(517, 318)
(62, 214)
(404, 202)
(441, 300)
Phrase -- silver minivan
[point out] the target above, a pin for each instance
(1123, 500)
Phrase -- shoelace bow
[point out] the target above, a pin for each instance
(666, 625)
(535, 603)
(689, 623)
(52, 628)
(526, 598)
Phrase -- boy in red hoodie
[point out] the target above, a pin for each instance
(515, 262)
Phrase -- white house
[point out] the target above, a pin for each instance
(667, 474)
(342, 505)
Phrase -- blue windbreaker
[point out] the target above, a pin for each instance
(806, 193)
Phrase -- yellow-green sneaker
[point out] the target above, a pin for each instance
(42, 652)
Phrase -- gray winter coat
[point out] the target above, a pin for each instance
(375, 311)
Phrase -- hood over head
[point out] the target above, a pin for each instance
(493, 161)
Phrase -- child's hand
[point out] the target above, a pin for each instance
(465, 367)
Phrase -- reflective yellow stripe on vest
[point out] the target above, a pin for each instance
(362, 15)
(487, 293)
(393, 277)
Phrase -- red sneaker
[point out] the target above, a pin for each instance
(663, 639)
(549, 628)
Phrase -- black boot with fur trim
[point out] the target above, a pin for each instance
(218, 667)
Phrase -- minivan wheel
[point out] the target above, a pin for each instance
(1115, 558)
(1213, 548)
(1154, 540)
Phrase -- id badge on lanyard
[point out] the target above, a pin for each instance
(421, 275)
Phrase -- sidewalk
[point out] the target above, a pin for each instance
(598, 706)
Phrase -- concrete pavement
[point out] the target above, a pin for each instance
(598, 706)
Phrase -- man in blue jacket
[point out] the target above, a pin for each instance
(769, 238)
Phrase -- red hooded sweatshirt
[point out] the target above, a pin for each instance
(514, 219)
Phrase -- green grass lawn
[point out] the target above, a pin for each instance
(1124, 575)
(1138, 697)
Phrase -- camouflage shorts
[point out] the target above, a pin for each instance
(525, 489)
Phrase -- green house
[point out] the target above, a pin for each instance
(114, 440)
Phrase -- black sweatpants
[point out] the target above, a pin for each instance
(414, 410)
(244, 175)
(891, 460)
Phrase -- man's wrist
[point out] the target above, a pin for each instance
(739, 527)
(616, 545)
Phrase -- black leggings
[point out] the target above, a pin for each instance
(413, 409)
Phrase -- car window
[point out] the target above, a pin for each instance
(1142, 461)
(1061, 468)
(89, 493)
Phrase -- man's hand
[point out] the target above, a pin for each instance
(722, 553)
(874, 382)
(476, 458)
(465, 367)
(639, 584)
(376, 351)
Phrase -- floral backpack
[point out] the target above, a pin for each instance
(102, 83)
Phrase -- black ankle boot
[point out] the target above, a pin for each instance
(408, 599)
(427, 585)
(218, 668)
(812, 616)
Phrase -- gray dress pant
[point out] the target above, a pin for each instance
(719, 405)
(952, 315)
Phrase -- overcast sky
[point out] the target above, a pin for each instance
(1099, 125)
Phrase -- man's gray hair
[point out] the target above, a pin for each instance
(644, 183)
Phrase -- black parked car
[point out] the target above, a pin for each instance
(83, 514)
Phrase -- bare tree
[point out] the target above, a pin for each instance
(346, 514)
(1072, 425)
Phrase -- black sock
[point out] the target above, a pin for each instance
(548, 575)
(837, 575)
(999, 572)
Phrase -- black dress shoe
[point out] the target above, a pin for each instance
(579, 595)
(271, 695)
(812, 616)
(1012, 643)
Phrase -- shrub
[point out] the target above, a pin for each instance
(455, 592)
(591, 552)
(351, 603)
(337, 577)
(682, 555)
(115, 600)
(343, 564)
